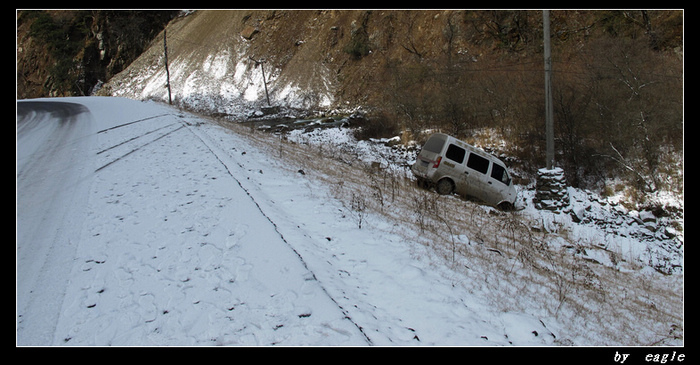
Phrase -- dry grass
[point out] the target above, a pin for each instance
(497, 255)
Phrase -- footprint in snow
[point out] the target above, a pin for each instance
(235, 235)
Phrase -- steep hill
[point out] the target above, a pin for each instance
(311, 59)
(323, 58)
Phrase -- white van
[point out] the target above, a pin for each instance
(452, 166)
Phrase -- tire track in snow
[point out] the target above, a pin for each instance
(141, 135)
(132, 139)
(133, 122)
(137, 148)
(208, 144)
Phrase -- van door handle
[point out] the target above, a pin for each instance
(489, 183)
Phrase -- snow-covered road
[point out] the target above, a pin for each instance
(132, 232)
(53, 158)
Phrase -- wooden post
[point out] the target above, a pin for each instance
(167, 72)
(549, 110)
(267, 96)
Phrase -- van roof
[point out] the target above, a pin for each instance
(478, 150)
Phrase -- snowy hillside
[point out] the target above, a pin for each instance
(140, 224)
(217, 73)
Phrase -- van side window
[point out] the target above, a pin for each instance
(499, 173)
(478, 163)
(455, 153)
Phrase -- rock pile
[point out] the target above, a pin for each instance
(654, 226)
(551, 193)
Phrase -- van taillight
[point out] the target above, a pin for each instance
(437, 162)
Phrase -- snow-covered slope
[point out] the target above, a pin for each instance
(214, 68)
(140, 224)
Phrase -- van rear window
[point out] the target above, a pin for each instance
(478, 163)
(434, 144)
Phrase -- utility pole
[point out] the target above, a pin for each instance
(167, 72)
(549, 110)
(263, 73)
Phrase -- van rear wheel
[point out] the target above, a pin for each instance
(445, 187)
(506, 206)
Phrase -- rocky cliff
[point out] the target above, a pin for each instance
(70, 52)
(222, 61)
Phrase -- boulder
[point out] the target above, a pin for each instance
(248, 32)
(578, 214)
(647, 216)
